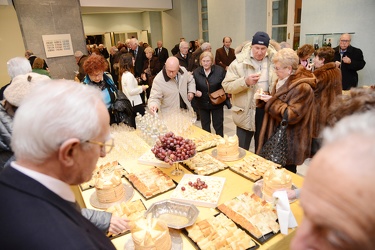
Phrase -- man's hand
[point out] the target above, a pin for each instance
(347, 60)
(118, 225)
(190, 96)
(252, 79)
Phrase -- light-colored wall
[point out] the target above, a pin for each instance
(237, 19)
(11, 42)
(341, 16)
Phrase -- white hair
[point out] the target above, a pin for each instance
(18, 66)
(183, 43)
(359, 123)
(54, 111)
(205, 46)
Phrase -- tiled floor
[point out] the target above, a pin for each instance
(230, 129)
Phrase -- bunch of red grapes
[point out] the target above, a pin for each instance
(198, 185)
(171, 148)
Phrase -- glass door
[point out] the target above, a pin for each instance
(284, 21)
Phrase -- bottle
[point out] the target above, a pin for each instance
(138, 119)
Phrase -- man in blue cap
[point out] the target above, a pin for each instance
(251, 71)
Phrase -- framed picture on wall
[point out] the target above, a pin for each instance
(57, 45)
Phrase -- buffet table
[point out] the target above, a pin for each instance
(234, 186)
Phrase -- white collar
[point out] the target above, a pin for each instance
(58, 187)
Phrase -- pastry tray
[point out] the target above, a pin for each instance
(195, 245)
(261, 239)
(154, 195)
(207, 197)
(210, 161)
(250, 177)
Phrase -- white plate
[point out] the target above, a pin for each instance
(175, 238)
(208, 197)
(242, 153)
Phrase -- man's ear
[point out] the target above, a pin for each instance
(68, 151)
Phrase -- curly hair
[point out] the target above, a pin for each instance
(95, 63)
(359, 100)
(325, 52)
(286, 57)
(305, 50)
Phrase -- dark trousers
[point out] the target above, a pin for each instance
(217, 120)
(244, 137)
(259, 114)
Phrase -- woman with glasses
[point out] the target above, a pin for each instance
(293, 93)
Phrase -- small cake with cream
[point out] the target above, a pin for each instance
(151, 233)
(227, 148)
(109, 187)
(273, 180)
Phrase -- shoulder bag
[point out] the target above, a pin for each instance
(276, 147)
(216, 97)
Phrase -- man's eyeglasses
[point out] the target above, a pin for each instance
(345, 41)
(106, 146)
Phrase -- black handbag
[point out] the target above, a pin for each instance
(122, 110)
(276, 147)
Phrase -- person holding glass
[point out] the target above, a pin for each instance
(294, 94)
(208, 78)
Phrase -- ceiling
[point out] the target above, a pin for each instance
(112, 10)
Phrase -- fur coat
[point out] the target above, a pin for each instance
(326, 90)
(297, 97)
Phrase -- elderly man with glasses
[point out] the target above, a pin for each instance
(57, 139)
(349, 59)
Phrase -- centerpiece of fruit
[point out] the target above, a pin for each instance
(171, 148)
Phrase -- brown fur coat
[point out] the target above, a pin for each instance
(297, 96)
(326, 90)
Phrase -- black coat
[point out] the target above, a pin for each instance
(139, 61)
(42, 218)
(6, 124)
(162, 56)
(215, 79)
(349, 71)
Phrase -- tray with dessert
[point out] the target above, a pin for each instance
(131, 210)
(151, 182)
(219, 232)
(204, 164)
(253, 167)
(206, 141)
(253, 214)
(199, 190)
(114, 165)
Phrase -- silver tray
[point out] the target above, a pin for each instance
(242, 153)
(174, 208)
(257, 189)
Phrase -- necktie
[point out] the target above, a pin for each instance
(159, 50)
(227, 51)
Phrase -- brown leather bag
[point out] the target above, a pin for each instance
(216, 97)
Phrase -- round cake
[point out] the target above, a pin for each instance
(273, 180)
(151, 233)
(108, 186)
(227, 148)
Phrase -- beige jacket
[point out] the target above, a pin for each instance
(165, 92)
(243, 101)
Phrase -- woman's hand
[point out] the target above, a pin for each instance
(118, 225)
(265, 98)
(143, 76)
(198, 93)
(144, 87)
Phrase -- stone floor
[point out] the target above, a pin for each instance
(230, 129)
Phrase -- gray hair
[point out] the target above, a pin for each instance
(78, 54)
(53, 112)
(182, 44)
(18, 66)
(205, 46)
(286, 57)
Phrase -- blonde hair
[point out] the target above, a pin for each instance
(206, 53)
(286, 57)
(149, 49)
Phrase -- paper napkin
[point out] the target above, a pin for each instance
(284, 213)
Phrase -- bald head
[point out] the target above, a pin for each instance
(339, 182)
(172, 66)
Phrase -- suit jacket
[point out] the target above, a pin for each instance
(33, 217)
(222, 59)
(186, 62)
(139, 61)
(162, 56)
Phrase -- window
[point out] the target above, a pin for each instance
(203, 10)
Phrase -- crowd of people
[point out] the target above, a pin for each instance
(61, 148)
